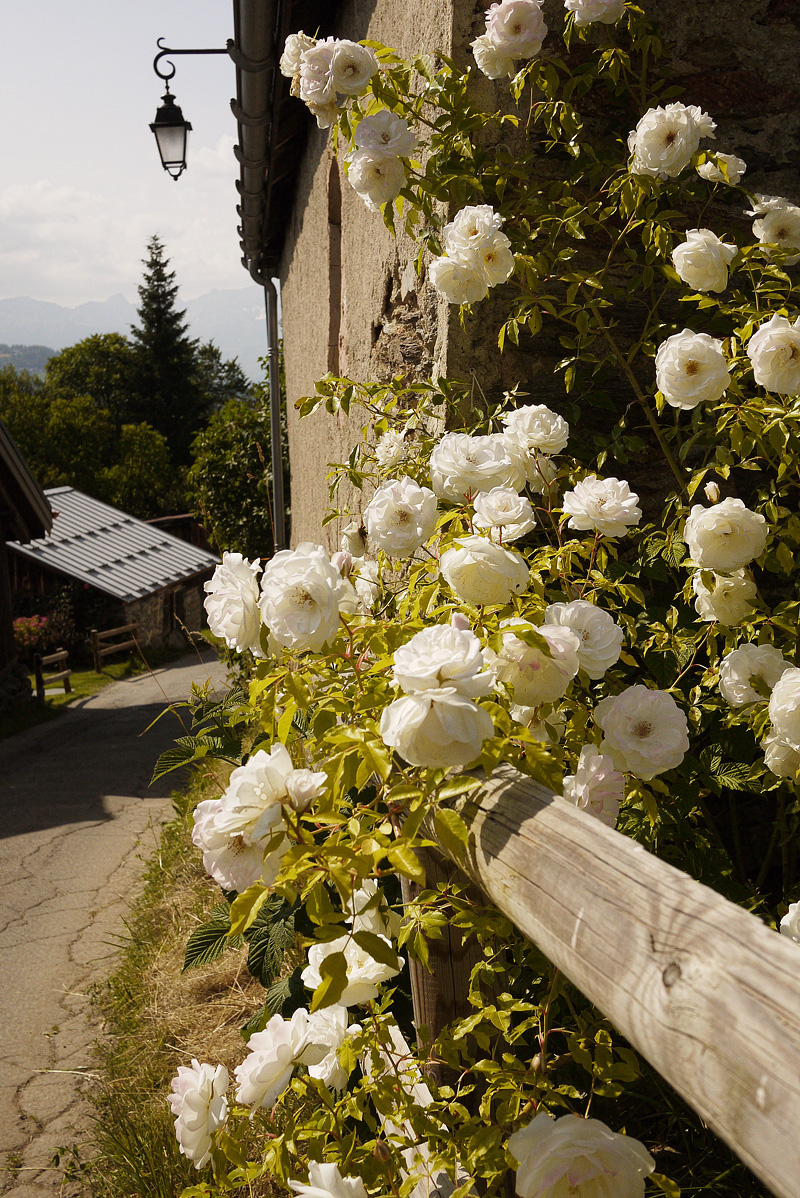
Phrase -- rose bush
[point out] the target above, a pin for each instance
(632, 652)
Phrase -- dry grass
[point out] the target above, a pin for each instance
(157, 1017)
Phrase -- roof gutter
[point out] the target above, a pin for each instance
(258, 34)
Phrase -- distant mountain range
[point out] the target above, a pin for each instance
(25, 357)
(234, 320)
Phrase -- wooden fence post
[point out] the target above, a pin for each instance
(95, 639)
(441, 995)
(39, 676)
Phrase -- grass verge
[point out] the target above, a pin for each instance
(157, 1018)
(84, 684)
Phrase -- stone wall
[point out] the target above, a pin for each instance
(738, 59)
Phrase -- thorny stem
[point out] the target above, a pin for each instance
(631, 377)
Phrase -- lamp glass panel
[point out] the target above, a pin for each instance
(171, 142)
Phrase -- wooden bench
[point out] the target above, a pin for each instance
(51, 659)
(101, 649)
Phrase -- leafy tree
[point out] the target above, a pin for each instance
(220, 380)
(100, 366)
(142, 480)
(167, 393)
(65, 440)
(230, 478)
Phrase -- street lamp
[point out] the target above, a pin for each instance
(172, 133)
(170, 128)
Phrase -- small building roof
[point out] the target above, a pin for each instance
(24, 511)
(110, 550)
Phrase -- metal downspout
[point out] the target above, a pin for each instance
(275, 397)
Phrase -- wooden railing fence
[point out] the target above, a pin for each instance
(101, 649)
(706, 992)
(43, 680)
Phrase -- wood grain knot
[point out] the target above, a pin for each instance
(671, 974)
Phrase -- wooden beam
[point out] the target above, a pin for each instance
(706, 992)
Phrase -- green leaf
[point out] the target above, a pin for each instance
(271, 934)
(172, 759)
(666, 1185)
(210, 940)
(246, 906)
(333, 972)
(377, 948)
(407, 863)
(452, 833)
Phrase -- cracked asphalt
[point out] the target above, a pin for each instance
(77, 822)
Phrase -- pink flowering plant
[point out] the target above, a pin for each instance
(594, 582)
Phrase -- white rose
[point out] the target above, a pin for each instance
(391, 449)
(571, 1157)
(663, 142)
(327, 1031)
(491, 61)
(539, 470)
(352, 67)
(232, 603)
(595, 787)
(234, 861)
(316, 76)
(702, 260)
(291, 59)
(300, 597)
(535, 675)
(470, 231)
(364, 973)
(458, 282)
(784, 707)
(790, 924)
(725, 536)
(353, 539)
(779, 757)
(644, 731)
(200, 1108)
(376, 178)
(304, 787)
(774, 351)
(778, 224)
(325, 114)
(599, 636)
(325, 1181)
(385, 133)
(496, 260)
(267, 1069)
(549, 730)
(462, 465)
(251, 804)
(734, 166)
(587, 12)
(368, 911)
(365, 581)
(516, 27)
(604, 505)
(401, 516)
(741, 665)
(535, 426)
(691, 369)
(729, 601)
(480, 572)
(504, 513)
(442, 655)
(436, 728)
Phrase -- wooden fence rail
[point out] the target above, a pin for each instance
(706, 992)
(100, 649)
(51, 659)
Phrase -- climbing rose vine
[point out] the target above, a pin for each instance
(591, 578)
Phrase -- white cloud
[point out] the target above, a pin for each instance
(66, 244)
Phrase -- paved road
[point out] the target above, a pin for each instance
(76, 820)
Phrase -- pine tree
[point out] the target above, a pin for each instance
(167, 390)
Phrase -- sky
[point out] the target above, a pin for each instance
(82, 188)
